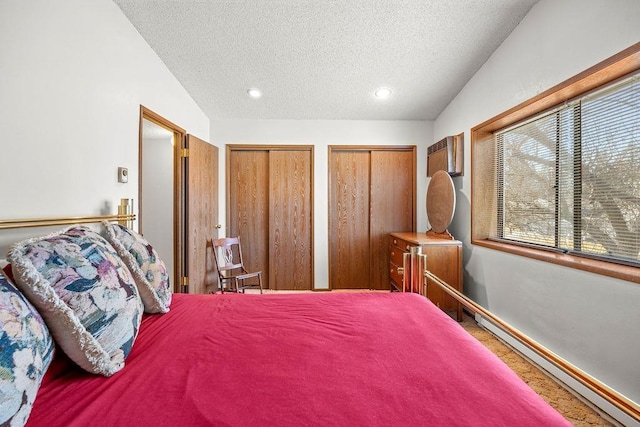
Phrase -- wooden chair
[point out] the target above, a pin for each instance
(232, 274)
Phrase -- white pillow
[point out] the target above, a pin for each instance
(85, 294)
(148, 270)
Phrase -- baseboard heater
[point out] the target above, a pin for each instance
(621, 402)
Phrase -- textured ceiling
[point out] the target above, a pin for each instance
(323, 59)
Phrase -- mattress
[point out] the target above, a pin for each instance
(358, 359)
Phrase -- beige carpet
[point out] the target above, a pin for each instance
(572, 408)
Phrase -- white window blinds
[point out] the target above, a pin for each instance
(570, 179)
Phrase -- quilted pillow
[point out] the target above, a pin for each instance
(85, 294)
(148, 270)
(26, 350)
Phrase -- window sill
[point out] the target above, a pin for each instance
(618, 271)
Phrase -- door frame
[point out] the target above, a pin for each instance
(179, 135)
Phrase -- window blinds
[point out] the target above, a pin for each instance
(570, 178)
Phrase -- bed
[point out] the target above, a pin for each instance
(283, 359)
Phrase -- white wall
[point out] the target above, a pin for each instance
(158, 182)
(73, 74)
(321, 134)
(591, 320)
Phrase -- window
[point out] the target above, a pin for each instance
(557, 178)
(570, 179)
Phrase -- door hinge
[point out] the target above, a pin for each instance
(185, 284)
(184, 153)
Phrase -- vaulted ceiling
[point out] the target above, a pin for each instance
(324, 59)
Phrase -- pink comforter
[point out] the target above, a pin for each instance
(357, 359)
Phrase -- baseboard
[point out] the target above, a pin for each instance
(596, 402)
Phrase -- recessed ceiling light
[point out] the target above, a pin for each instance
(254, 93)
(383, 93)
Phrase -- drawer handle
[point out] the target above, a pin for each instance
(408, 247)
(395, 242)
(401, 271)
(392, 253)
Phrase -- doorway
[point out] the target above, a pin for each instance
(178, 200)
(159, 188)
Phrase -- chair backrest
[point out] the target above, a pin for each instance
(227, 252)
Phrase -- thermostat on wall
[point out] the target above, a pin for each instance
(123, 175)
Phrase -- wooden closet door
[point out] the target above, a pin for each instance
(372, 193)
(248, 207)
(290, 220)
(270, 206)
(349, 256)
(392, 207)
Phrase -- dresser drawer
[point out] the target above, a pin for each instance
(401, 244)
(395, 255)
(395, 277)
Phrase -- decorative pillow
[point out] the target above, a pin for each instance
(26, 350)
(85, 294)
(148, 270)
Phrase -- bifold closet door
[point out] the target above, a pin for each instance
(270, 208)
(372, 193)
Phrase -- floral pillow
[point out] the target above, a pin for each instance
(26, 352)
(85, 294)
(148, 270)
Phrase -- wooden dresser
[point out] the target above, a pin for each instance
(444, 259)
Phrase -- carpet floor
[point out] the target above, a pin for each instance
(572, 408)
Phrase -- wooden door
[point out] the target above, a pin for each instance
(349, 255)
(248, 206)
(290, 262)
(270, 207)
(201, 213)
(372, 193)
(392, 207)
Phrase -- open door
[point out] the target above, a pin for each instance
(200, 166)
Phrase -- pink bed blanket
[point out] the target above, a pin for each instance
(356, 359)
